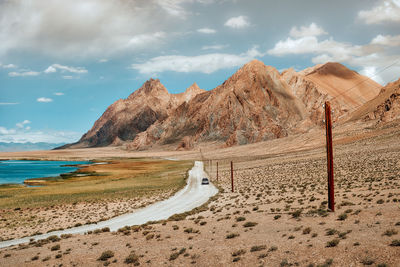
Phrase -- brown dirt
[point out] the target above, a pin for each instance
(273, 180)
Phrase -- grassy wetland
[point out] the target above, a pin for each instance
(92, 193)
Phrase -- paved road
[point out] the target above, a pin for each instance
(191, 196)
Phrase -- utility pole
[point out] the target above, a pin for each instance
(329, 156)
(232, 175)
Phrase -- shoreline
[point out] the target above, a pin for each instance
(193, 190)
(44, 178)
(102, 192)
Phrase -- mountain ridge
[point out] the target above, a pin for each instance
(256, 103)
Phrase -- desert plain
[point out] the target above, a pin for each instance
(276, 216)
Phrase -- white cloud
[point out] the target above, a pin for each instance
(23, 135)
(103, 60)
(142, 40)
(312, 30)
(238, 22)
(214, 47)
(68, 77)
(173, 7)
(207, 63)
(93, 28)
(22, 124)
(5, 131)
(371, 71)
(23, 73)
(386, 40)
(8, 66)
(310, 44)
(370, 59)
(50, 69)
(8, 103)
(385, 11)
(207, 30)
(55, 67)
(44, 99)
(58, 93)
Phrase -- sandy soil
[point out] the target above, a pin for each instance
(277, 215)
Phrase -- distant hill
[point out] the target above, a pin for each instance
(13, 147)
(255, 104)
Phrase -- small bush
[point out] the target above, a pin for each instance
(257, 248)
(235, 259)
(231, 235)
(132, 258)
(380, 201)
(250, 224)
(65, 236)
(273, 248)
(174, 256)
(367, 261)
(240, 219)
(306, 231)
(296, 214)
(390, 232)
(34, 258)
(238, 252)
(395, 243)
(106, 255)
(342, 217)
(53, 238)
(332, 243)
(55, 247)
(331, 231)
(276, 217)
(46, 259)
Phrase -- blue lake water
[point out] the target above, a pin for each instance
(16, 171)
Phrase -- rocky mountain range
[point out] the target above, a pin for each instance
(256, 103)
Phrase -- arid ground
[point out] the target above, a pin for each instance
(277, 215)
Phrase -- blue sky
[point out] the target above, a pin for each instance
(62, 63)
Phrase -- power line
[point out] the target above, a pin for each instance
(358, 106)
(367, 79)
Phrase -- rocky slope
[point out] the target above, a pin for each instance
(256, 103)
(344, 88)
(383, 108)
(125, 118)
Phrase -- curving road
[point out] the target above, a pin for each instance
(191, 196)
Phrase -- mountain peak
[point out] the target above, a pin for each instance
(191, 92)
(151, 87)
(193, 87)
(335, 69)
(253, 65)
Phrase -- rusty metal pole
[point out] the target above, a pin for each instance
(232, 175)
(329, 156)
(217, 171)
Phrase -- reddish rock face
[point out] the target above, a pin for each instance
(383, 108)
(256, 103)
(345, 89)
(124, 119)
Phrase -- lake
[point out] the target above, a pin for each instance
(16, 171)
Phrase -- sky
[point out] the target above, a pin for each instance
(62, 63)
